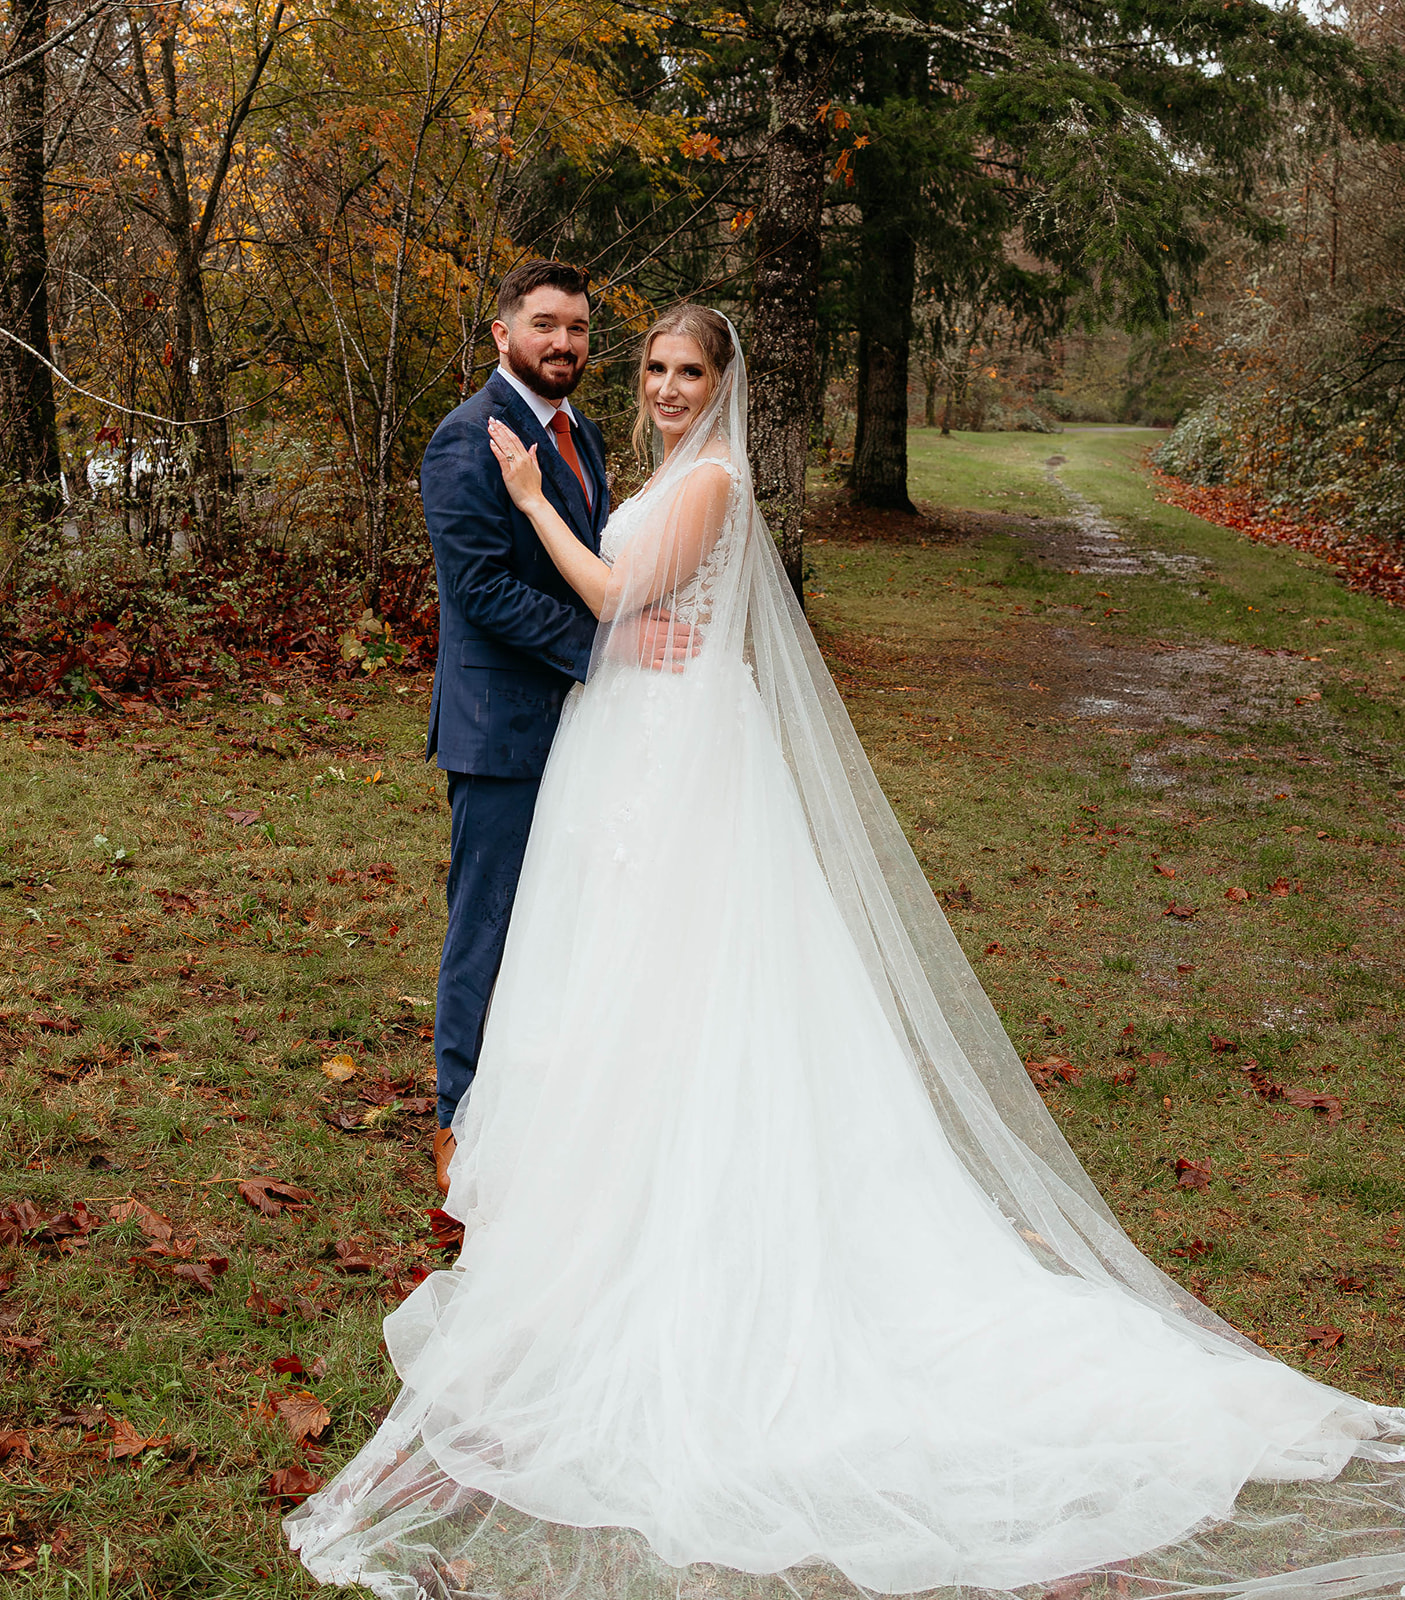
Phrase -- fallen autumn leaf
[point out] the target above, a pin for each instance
(292, 1484)
(270, 1195)
(304, 1415)
(339, 1068)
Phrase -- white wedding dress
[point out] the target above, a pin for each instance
(760, 1276)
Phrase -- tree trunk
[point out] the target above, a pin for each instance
(886, 279)
(879, 476)
(30, 446)
(786, 293)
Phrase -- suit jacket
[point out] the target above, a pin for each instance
(513, 634)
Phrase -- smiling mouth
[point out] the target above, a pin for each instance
(671, 412)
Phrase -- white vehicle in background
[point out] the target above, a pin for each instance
(151, 460)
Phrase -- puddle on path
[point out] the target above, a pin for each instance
(1196, 699)
(1092, 544)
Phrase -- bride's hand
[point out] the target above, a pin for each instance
(521, 471)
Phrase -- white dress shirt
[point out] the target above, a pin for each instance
(542, 410)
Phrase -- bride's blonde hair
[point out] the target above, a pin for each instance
(714, 339)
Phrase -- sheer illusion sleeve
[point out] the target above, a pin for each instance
(667, 553)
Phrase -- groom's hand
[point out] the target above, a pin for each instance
(665, 644)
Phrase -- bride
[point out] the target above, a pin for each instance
(777, 1277)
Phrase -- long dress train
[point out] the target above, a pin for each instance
(772, 1281)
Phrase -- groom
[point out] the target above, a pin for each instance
(513, 636)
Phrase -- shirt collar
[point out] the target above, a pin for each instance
(542, 410)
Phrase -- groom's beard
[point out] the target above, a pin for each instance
(553, 377)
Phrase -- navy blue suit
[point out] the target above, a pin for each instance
(513, 637)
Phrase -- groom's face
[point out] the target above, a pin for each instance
(546, 341)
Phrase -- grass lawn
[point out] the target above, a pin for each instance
(221, 932)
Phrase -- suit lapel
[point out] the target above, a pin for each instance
(594, 464)
(565, 486)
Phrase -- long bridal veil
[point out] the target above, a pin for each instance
(399, 1521)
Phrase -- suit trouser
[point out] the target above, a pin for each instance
(487, 840)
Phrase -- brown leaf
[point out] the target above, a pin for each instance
(292, 1484)
(270, 1195)
(1124, 1078)
(401, 1286)
(52, 1024)
(1280, 886)
(1237, 894)
(352, 1258)
(1193, 1249)
(447, 1230)
(151, 1223)
(1307, 1101)
(290, 1365)
(1183, 913)
(1264, 1086)
(304, 1415)
(201, 1274)
(996, 950)
(173, 902)
(1348, 1282)
(1157, 1059)
(1327, 1336)
(15, 1444)
(262, 1306)
(243, 819)
(1044, 1072)
(19, 1218)
(1166, 872)
(1192, 1174)
(385, 1091)
(126, 1441)
(1220, 1046)
(24, 1347)
(64, 1232)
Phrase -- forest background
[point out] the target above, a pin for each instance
(248, 247)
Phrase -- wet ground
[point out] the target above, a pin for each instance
(1054, 663)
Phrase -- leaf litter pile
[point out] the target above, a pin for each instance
(221, 928)
(1366, 563)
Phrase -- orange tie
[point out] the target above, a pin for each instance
(561, 427)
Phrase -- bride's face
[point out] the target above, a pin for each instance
(676, 384)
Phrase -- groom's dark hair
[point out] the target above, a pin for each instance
(529, 275)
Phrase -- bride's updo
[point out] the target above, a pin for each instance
(714, 339)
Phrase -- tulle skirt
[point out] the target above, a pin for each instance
(724, 1284)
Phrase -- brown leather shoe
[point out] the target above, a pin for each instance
(444, 1147)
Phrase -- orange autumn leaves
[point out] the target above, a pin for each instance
(1368, 564)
